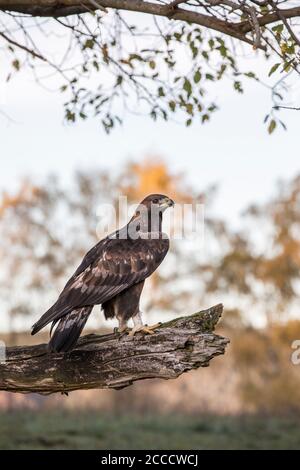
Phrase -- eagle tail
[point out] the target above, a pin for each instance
(68, 329)
(53, 314)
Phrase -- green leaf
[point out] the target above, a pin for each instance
(290, 49)
(70, 116)
(161, 91)
(178, 36)
(223, 50)
(274, 68)
(238, 86)
(197, 76)
(287, 66)
(135, 57)
(89, 44)
(278, 28)
(212, 108)
(96, 65)
(272, 126)
(16, 64)
(189, 108)
(209, 76)
(250, 75)
(221, 71)
(194, 50)
(187, 86)
(119, 80)
(211, 43)
(172, 105)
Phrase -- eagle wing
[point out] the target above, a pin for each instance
(106, 270)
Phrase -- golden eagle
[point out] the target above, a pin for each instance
(112, 274)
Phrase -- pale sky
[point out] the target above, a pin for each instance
(233, 150)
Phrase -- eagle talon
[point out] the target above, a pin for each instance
(147, 330)
(156, 325)
(120, 332)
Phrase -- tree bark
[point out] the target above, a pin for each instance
(115, 361)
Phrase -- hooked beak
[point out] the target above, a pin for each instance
(167, 202)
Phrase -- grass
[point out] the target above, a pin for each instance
(93, 430)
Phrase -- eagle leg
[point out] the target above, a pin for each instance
(137, 323)
(122, 329)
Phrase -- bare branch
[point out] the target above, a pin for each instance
(286, 107)
(22, 46)
(256, 27)
(269, 18)
(98, 6)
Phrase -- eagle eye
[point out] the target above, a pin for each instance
(155, 201)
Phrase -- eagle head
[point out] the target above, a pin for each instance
(157, 201)
(148, 215)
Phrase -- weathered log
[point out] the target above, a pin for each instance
(114, 361)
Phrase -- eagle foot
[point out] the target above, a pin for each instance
(147, 330)
(120, 332)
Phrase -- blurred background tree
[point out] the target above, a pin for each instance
(261, 262)
(47, 227)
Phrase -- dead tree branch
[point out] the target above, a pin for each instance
(112, 361)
